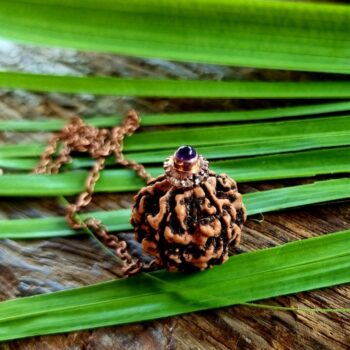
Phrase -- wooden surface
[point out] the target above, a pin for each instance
(41, 266)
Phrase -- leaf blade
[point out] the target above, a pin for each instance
(267, 167)
(56, 124)
(103, 85)
(311, 37)
(297, 266)
(118, 220)
(245, 138)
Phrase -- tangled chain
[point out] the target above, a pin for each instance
(99, 144)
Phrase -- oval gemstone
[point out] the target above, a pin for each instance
(185, 153)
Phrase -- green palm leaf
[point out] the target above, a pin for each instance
(266, 34)
(174, 88)
(259, 147)
(236, 133)
(231, 140)
(53, 124)
(298, 266)
(289, 165)
(268, 146)
(118, 220)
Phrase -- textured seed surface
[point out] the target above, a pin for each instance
(189, 229)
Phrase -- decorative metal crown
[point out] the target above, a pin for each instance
(186, 168)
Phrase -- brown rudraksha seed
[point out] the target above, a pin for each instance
(188, 224)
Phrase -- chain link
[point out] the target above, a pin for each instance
(99, 144)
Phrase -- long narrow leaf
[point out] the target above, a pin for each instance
(204, 136)
(294, 267)
(265, 34)
(173, 88)
(223, 141)
(13, 156)
(260, 147)
(279, 166)
(118, 220)
(21, 150)
(53, 124)
(288, 165)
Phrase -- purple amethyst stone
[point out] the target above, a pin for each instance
(185, 154)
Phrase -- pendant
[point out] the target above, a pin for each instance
(188, 216)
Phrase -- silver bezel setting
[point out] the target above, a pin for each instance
(196, 172)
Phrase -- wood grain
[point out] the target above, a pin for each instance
(41, 266)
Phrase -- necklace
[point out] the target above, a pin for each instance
(185, 218)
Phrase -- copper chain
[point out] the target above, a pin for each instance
(99, 144)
